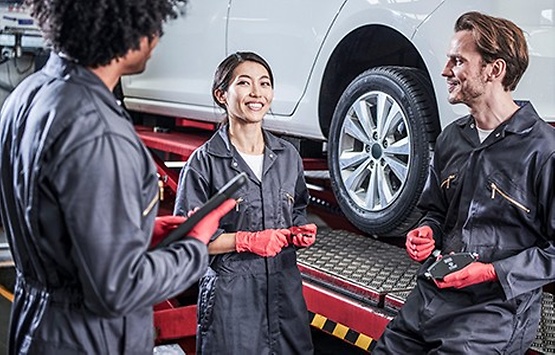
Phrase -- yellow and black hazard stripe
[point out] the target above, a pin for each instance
(342, 332)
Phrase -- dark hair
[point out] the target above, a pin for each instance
(497, 38)
(224, 72)
(96, 32)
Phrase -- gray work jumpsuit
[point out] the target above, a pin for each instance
(495, 199)
(79, 194)
(250, 304)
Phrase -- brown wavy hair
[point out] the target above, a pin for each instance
(498, 38)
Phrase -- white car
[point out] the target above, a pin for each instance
(361, 76)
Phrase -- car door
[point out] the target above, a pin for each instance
(288, 35)
(182, 66)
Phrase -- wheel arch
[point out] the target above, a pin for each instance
(362, 49)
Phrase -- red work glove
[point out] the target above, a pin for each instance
(268, 242)
(420, 243)
(303, 236)
(207, 226)
(163, 226)
(472, 274)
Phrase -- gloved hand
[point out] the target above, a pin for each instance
(207, 226)
(268, 242)
(303, 236)
(473, 273)
(163, 225)
(420, 243)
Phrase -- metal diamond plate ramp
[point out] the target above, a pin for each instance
(365, 263)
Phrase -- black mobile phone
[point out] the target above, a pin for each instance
(448, 264)
(223, 194)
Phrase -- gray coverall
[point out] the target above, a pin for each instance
(495, 199)
(250, 304)
(79, 194)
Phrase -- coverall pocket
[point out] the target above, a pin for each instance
(521, 303)
(526, 311)
(238, 218)
(287, 202)
(449, 182)
(207, 294)
(506, 193)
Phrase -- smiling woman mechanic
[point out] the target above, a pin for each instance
(251, 298)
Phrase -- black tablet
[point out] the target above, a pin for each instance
(223, 194)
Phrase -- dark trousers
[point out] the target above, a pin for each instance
(472, 321)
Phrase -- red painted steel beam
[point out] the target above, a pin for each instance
(186, 122)
(366, 320)
(175, 323)
(184, 144)
(169, 177)
(179, 143)
(315, 164)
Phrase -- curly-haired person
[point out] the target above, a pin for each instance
(79, 191)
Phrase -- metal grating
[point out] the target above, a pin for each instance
(387, 270)
(545, 338)
(361, 260)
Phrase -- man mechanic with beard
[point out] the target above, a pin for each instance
(490, 192)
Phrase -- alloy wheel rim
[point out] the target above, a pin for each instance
(374, 151)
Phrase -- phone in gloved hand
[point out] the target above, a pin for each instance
(448, 264)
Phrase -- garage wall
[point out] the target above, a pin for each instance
(13, 71)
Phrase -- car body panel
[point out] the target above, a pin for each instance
(178, 79)
(536, 19)
(298, 45)
(324, 55)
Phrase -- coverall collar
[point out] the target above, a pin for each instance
(65, 68)
(520, 122)
(221, 146)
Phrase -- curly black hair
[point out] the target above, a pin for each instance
(94, 32)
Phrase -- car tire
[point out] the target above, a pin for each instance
(381, 136)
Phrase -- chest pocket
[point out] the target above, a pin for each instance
(238, 218)
(285, 207)
(509, 198)
(449, 182)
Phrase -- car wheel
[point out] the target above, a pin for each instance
(379, 148)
